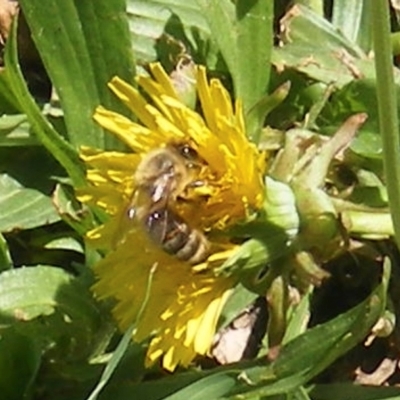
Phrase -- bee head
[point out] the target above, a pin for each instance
(189, 154)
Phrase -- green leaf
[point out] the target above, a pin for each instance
(354, 392)
(370, 191)
(298, 394)
(337, 60)
(256, 262)
(61, 150)
(236, 303)
(82, 45)
(23, 208)
(353, 19)
(71, 210)
(113, 363)
(65, 243)
(8, 102)
(265, 105)
(220, 17)
(214, 387)
(15, 131)
(58, 312)
(163, 28)
(239, 31)
(355, 97)
(19, 363)
(5, 256)
(27, 293)
(254, 30)
(298, 320)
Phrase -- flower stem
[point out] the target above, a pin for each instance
(368, 225)
(387, 106)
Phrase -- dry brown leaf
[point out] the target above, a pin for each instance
(8, 9)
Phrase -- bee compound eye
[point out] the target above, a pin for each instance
(188, 152)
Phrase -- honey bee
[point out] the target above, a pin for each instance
(162, 177)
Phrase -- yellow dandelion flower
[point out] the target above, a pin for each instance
(184, 302)
(233, 178)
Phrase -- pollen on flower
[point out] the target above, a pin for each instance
(176, 303)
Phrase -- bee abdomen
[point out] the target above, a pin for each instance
(196, 248)
(176, 237)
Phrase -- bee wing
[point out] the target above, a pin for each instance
(162, 190)
(139, 206)
(157, 224)
(156, 221)
(132, 216)
(169, 231)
